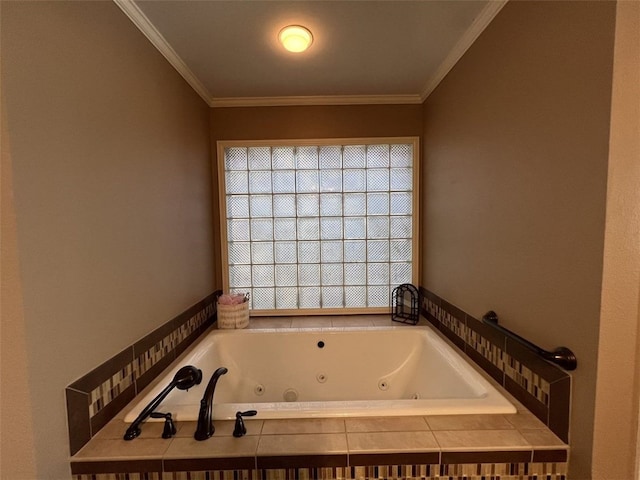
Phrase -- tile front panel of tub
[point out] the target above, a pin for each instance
(98, 396)
(459, 471)
(542, 387)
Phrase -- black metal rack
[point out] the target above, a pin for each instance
(405, 304)
(561, 356)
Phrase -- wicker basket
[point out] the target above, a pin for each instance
(233, 316)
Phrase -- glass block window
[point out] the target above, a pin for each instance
(319, 226)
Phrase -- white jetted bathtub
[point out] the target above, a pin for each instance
(330, 372)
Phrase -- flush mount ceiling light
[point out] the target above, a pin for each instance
(295, 38)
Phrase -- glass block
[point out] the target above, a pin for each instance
(263, 298)
(330, 157)
(283, 158)
(284, 181)
(307, 181)
(355, 297)
(330, 204)
(332, 274)
(287, 297)
(309, 252)
(286, 252)
(286, 275)
(309, 275)
(237, 182)
(377, 156)
(378, 227)
(309, 297)
(284, 228)
(355, 227)
(239, 276)
(355, 204)
(237, 206)
(331, 252)
(402, 155)
(284, 206)
(354, 181)
(239, 253)
(378, 274)
(259, 158)
(262, 275)
(260, 182)
(261, 229)
(378, 296)
(307, 157)
(262, 252)
(378, 251)
(308, 205)
(355, 273)
(355, 251)
(238, 230)
(401, 250)
(261, 206)
(401, 203)
(332, 297)
(377, 180)
(401, 179)
(354, 156)
(400, 273)
(331, 180)
(330, 228)
(401, 227)
(235, 158)
(377, 204)
(308, 229)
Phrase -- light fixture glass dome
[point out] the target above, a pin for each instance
(295, 38)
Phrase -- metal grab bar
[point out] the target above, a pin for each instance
(561, 356)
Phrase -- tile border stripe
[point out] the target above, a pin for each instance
(532, 380)
(100, 394)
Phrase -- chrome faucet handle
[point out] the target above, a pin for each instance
(240, 429)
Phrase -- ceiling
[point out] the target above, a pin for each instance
(383, 51)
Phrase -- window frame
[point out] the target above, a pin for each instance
(221, 145)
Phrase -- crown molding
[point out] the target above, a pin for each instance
(481, 22)
(316, 100)
(141, 21)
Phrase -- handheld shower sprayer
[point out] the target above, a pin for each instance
(184, 379)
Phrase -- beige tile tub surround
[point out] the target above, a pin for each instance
(484, 440)
(303, 425)
(325, 436)
(221, 447)
(308, 444)
(392, 442)
(386, 424)
(468, 422)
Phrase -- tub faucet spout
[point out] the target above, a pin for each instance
(205, 417)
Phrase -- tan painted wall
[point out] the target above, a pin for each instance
(516, 148)
(111, 183)
(16, 426)
(616, 414)
(277, 123)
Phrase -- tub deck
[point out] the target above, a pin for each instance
(345, 448)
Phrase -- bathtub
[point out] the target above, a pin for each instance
(330, 372)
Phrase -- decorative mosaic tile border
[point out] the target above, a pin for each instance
(531, 379)
(460, 471)
(94, 399)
